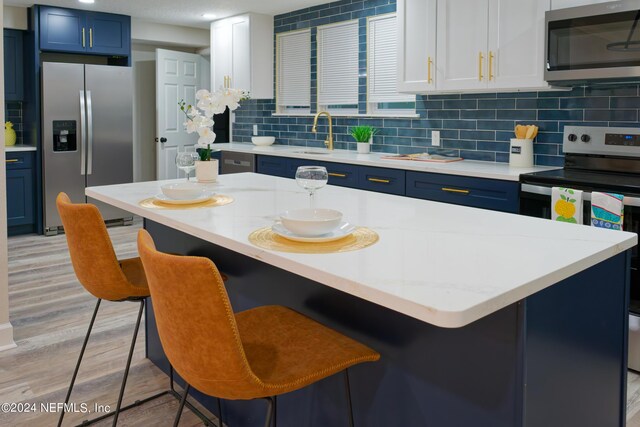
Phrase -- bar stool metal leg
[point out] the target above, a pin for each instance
(75, 372)
(182, 402)
(348, 389)
(126, 370)
(271, 411)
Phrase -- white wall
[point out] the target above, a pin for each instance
(6, 331)
(168, 35)
(15, 18)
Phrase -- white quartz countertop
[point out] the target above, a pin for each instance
(470, 168)
(19, 147)
(444, 264)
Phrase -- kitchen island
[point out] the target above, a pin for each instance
(482, 318)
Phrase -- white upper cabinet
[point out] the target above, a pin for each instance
(562, 4)
(480, 45)
(462, 44)
(242, 54)
(516, 44)
(416, 45)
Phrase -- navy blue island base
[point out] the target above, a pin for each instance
(556, 358)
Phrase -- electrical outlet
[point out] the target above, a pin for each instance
(255, 130)
(435, 138)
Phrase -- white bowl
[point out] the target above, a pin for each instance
(183, 190)
(263, 140)
(311, 222)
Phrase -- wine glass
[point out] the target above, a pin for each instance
(312, 178)
(186, 161)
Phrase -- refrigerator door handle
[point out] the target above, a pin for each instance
(83, 135)
(89, 134)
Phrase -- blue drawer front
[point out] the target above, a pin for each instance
(476, 192)
(19, 160)
(340, 174)
(382, 180)
(270, 165)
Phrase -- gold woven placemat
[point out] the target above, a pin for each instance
(362, 237)
(217, 200)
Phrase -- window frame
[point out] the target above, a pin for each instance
(373, 108)
(323, 107)
(293, 110)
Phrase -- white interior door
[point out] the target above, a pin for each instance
(178, 76)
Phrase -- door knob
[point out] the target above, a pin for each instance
(162, 140)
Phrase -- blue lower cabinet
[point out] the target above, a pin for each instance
(270, 165)
(20, 209)
(476, 192)
(217, 155)
(382, 180)
(341, 174)
(20, 193)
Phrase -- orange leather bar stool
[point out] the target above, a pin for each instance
(105, 277)
(254, 354)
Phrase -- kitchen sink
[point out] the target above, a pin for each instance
(312, 152)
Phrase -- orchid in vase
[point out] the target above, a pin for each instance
(200, 117)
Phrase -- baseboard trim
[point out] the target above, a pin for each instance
(6, 337)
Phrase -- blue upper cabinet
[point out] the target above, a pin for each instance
(79, 31)
(63, 30)
(13, 65)
(109, 34)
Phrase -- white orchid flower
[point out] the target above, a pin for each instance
(191, 126)
(207, 136)
(203, 94)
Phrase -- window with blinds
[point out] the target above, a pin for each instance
(382, 64)
(338, 67)
(294, 72)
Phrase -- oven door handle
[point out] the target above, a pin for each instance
(546, 191)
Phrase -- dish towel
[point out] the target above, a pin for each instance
(566, 205)
(607, 210)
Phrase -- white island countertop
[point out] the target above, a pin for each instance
(470, 168)
(444, 264)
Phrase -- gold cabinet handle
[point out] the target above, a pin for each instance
(225, 81)
(429, 64)
(480, 58)
(382, 181)
(83, 38)
(91, 37)
(12, 160)
(338, 175)
(491, 57)
(455, 190)
(229, 82)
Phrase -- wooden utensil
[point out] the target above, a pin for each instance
(530, 132)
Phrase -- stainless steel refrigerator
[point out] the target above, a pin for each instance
(87, 125)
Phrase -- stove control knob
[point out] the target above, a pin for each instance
(585, 138)
(572, 137)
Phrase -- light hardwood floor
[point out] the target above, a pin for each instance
(50, 312)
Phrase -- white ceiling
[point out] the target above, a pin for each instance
(185, 12)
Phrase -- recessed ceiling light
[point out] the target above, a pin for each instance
(86, 1)
(209, 15)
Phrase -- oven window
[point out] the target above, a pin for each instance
(605, 41)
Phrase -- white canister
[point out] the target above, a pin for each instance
(207, 171)
(521, 153)
(364, 147)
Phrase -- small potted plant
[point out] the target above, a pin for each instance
(363, 136)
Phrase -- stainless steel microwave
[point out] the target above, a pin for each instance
(594, 42)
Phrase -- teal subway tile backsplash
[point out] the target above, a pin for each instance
(474, 126)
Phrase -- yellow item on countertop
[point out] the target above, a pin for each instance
(9, 134)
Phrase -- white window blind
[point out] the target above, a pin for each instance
(294, 70)
(382, 61)
(338, 64)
